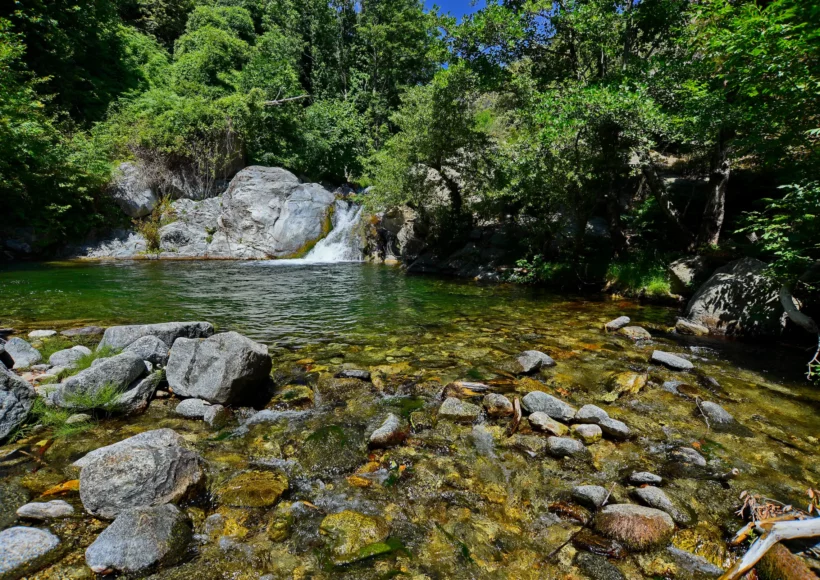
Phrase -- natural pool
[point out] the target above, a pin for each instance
(461, 500)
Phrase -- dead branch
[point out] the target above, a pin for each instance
(278, 102)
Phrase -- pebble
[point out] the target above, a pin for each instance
(565, 447)
(671, 361)
(635, 333)
(552, 406)
(497, 405)
(458, 410)
(389, 433)
(23, 548)
(688, 455)
(591, 414)
(617, 324)
(78, 418)
(591, 496)
(587, 433)
(615, 429)
(46, 510)
(533, 360)
(641, 477)
(542, 422)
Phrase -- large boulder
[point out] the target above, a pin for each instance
(399, 235)
(69, 356)
(117, 372)
(150, 348)
(686, 272)
(23, 550)
(23, 354)
(273, 208)
(149, 469)
(221, 369)
(136, 399)
(132, 193)
(140, 539)
(16, 399)
(738, 300)
(119, 337)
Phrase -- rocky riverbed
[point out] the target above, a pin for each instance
(500, 445)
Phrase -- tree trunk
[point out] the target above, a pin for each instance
(714, 211)
(613, 211)
(658, 189)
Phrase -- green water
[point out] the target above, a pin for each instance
(463, 501)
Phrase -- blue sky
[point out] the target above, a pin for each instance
(456, 7)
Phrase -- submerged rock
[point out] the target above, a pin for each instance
(718, 417)
(694, 564)
(139, 540)
(610, 427)
(655, 497)
(389, 433)
(149, 469)
(46, 510)
(354, 536)
(497, 405)
(637, 527)
(253, 489)
(458, 410)
(224, 368)
(150, 348)
(530, 361)
(353, 374)
(688, 455)
(119, 337)
(543, 422)
(16, 400)
(591, 496)
(671, 361)
(117, 372)
(641, 477)
(23, 354)
(68, 357)
(597, 567)
(23, 550)
(565, 447)
(556, 408)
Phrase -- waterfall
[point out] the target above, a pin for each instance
(342, 244)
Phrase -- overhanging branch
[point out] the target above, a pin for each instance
(278, 102)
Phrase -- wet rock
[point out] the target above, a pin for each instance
(117, 372)
(497, 405)
(597, 567)
(353, 374)
(591, 414)
(353, 536)
(78, 418)
(23, 354)
(642, 477)
(615, 429)
(587, 433)
(139, 540)
(131, 193)
(637, 527)
(192, 408)
(780, 564)
(253, 489)
(671, 361)
(556, 408)
(589, 541)
(683, 326)
(458, 410)
(694, 564)
(38, 334)
(625, 383)
(83, 331)
(718, 417)
(617, 324)
(16, 400)
(739, 300)
(530, 361)
(46, 510)
(532, 445)
(23, 550)
(68, 357)
(281, 521)
(216, 416)
(293, 396)
(543, 422)
(655, 497)
(687, 455)
(389, 433)
(150, 348)
(149, 469)
(119, 337)
(635, 333)
(136, 399)
(224, 368)
(565, 447)
(591, 496)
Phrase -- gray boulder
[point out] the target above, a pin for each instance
(671, 361)
(119, 337)
(149, 469)
(140, 539)
(131, 192)
(533, 360)
(118, 372)
(738, 300)
(610, 427)
(685, 272)
(221, 369)
(136, 399)
(216, 416)
(23, 550)
(192, 408)
(49, 510)
(23, 354)
(67, 358)
(683, 326)
(16, 399)
(270, 206)
(617, 324)
(150, 348)
(83, 331)
(556, 408)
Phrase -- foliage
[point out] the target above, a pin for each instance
(642, 274)
(149, 227)
(55, 418)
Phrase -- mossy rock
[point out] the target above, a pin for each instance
(354, 536)
(298, 396)
(253, 489)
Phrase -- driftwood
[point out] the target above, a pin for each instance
(772, 531)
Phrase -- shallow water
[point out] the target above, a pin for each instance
(465, 501)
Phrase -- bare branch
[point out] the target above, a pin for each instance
(278, 102)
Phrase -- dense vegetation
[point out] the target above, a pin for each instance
(542, 114)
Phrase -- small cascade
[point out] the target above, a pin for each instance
(342, 244)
